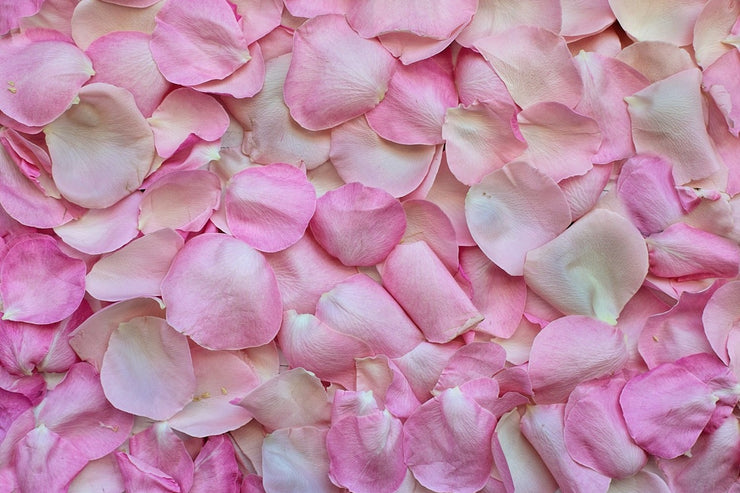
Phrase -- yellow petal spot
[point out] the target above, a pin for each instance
(205, 395)
(655, 338)
(12, 90)
(224, 391)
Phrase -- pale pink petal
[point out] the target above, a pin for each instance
(362, 308)
(425, 221)
(504, 220)
(185, 112)
(245, 82)
(304, 272)
(53, 460)
(181, 200)
(388, 384)
(476, 81)
(606, 43)
(216, 468)
(720, 81)
(359, 225)
(38, 283)
(136, 270)
(581, 17)
(571, 350)
(123, 59)
(312, 8)
(686, 253)
(159, 447)
(592, 269)
(727, 145)
(496, 16)
(535, 65)
(413, 109)
(116, 154)
(449, 194)
(479, 139)
(311, 344)
(648, 192)
(147, 369)
(138, 4)
(410, 48)
(712, 27)
(662, 20)
(222, 294)
(271, 135)
(474, 360)
(90, 339)
(606, 82)
(93, 19)
(543, 425)
(656, 60)
(666, 409)
(447, 443)
(595, 432)
(334, 74)
(293, 398)
(642, 481)
(560, 142)
(295, 459)
(423, 365)
(584, 191)
(644, 304)
(426, 290)
(248, 446)
(14, 11)
(197, 41)
(255, 217)
(41, 78)
(365, 452)
(258, 17)
(140, 476)
(78, 411)
(720, 318)
(667, 120)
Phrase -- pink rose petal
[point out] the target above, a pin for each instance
(472, 361)
(245, 82)
(712, 26)
(423, 365)
(14, 11)
(93, 19)
(427, 222)
(496, 16)
(663, 20)
(720, 317)
(388, 384)
(140, 476)
(583, 18)
(53, 459)
(158, 446)
(216, 468)
(720, 82)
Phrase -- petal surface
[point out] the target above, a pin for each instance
(668, 21)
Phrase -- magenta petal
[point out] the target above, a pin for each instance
(255, 217)
(359, 225)
(666, 409)
(40, 284)
(147, 369)
(334, 74)
(447, 443)
(222, 294)
(216, 468)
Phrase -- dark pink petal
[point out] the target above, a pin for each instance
(359, 307)
(271, 135)
(571, 350)
(426, 290)
(41, 78)
(53, 460)
(12, 405)
(425, 221)
(295, 459)
(185, 112)
(245, 82)
(358, 225)
(720, 317)
(648, 192)
(293, 398)
(136, 270)
(198, 41)
(543, 425)
(158, 446)
(447, 443)
(535, 65)
(667, 119)
(663, 20)
(683, 252)
(365, 452)
(115, 155)
(14, 11)
(413, 109)
(560, 142)
(255, 217)
(595, 432)
(216, 468)
(592, 269)
(666, 409)
(334, 74)
(479, 139)
(606, 81)
(140, 476)
(506, 223)
(360, 154)
(720, 82)
(123, 58)
(438, 21)
(472, 361)
(147, 369)
(23, 346)
(712, 27)
(496, 16)
(583, 18)
(40, 284)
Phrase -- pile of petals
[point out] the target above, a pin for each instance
(369, 246)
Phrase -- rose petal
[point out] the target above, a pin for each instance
(719, 81)
(720, 316)
(496, 16)
(668, 21)
(712, 26)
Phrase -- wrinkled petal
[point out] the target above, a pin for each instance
(476, 80)
(388, 384)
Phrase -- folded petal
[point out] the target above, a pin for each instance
(667, 119)
(666, 409)
(359, 225)
(159, 447)
(196, 41)
(426, 290)
(504, 220)
(592, 269)
(720, 82)
(147, 369)
(39, 283)
(115, 155)
(663, 20)
(335, 75)
(255, 217)
(222, 294)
